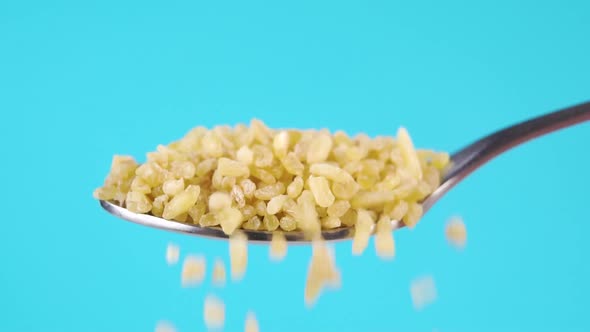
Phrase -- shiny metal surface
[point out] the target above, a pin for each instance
(214, 232)
(463, 163)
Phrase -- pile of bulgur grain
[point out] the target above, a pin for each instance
(257, 178)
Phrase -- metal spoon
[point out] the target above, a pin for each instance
(463, 163)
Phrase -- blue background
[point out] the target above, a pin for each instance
(83, 80)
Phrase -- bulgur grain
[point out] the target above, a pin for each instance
(320, 188)
(248, 187)
(409, 154)
(338, 209)
(228, 167)
(384, 243)
(280, 144)
(172, 254)
(330, 222)
(363, 229)
(275, 205)
(219, 201)
(214, 312)
(270, 222)
(164, 326)
(456, 232)
(238, 253)
(423, 292)
(245, 155)
(294, 189)
(322, 272)
(287, 224)
(253, 224)
(219, 274)
(173, 187)
(181, 203)
(193, 271)
(278, 246)
(413, 215)
(251, 323)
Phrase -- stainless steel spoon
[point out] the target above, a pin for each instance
(463, 163)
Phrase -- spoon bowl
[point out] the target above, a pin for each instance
(463, 163)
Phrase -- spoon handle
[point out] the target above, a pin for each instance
(470, 158)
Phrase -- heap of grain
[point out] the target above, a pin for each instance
(257, 178)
